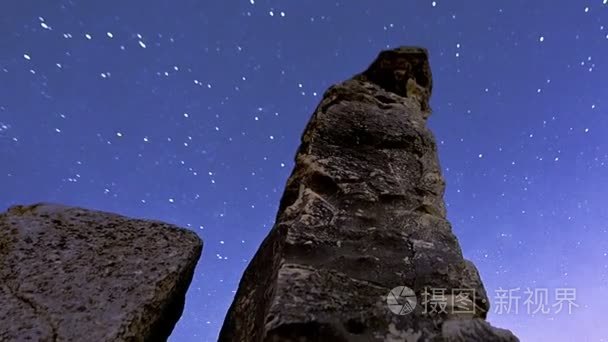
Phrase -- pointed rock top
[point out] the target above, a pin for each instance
(404, 71)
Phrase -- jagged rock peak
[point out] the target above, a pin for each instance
(72, 274)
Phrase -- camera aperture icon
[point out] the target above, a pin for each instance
(401, 300)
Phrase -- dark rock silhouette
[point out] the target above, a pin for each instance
(70, 274)
(363, 213)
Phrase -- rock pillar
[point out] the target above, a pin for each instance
(362, 214)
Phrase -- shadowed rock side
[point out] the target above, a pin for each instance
(70, 274)
(363, 213)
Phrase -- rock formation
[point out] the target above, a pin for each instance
(70, 274)
(363, 213)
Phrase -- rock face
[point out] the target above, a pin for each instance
(363, 213)
(70, 274)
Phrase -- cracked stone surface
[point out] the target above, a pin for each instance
(72, 274)
(363, 213)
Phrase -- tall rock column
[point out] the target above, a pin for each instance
(362, 214)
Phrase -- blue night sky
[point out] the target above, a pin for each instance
(191, 112)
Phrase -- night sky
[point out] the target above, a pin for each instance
(190, 112)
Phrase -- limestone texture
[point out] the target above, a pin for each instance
(71, 274)
(363, 213)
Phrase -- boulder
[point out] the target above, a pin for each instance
(72, 274)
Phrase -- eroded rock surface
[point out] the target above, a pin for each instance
(363, 213)
(71, 274)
